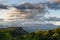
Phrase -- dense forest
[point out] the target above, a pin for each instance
(18, 33)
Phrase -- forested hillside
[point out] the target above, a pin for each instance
(18, 33)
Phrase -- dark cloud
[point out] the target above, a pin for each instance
(1, 19)
(28, 5)
(54, 5)
(3, 6)
(31, 11)
(53, 19)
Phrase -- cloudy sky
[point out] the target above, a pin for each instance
(19, 1)
(33, 16)
(52, 12)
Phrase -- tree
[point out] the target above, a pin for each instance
(5, 36)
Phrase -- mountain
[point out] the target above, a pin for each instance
(15, 31)
(40, 27)
(31, 28)
(20, 30)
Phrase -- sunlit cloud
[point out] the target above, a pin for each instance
(13, 16)
(57, 1)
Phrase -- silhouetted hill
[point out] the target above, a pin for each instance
(15, 31)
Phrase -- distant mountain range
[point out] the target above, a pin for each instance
(32, 28)
(40, 27)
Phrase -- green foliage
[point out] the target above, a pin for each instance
(7, 34)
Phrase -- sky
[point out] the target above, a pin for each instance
(19, 1)
(8, 2)
(35, 17)
(55, 13)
